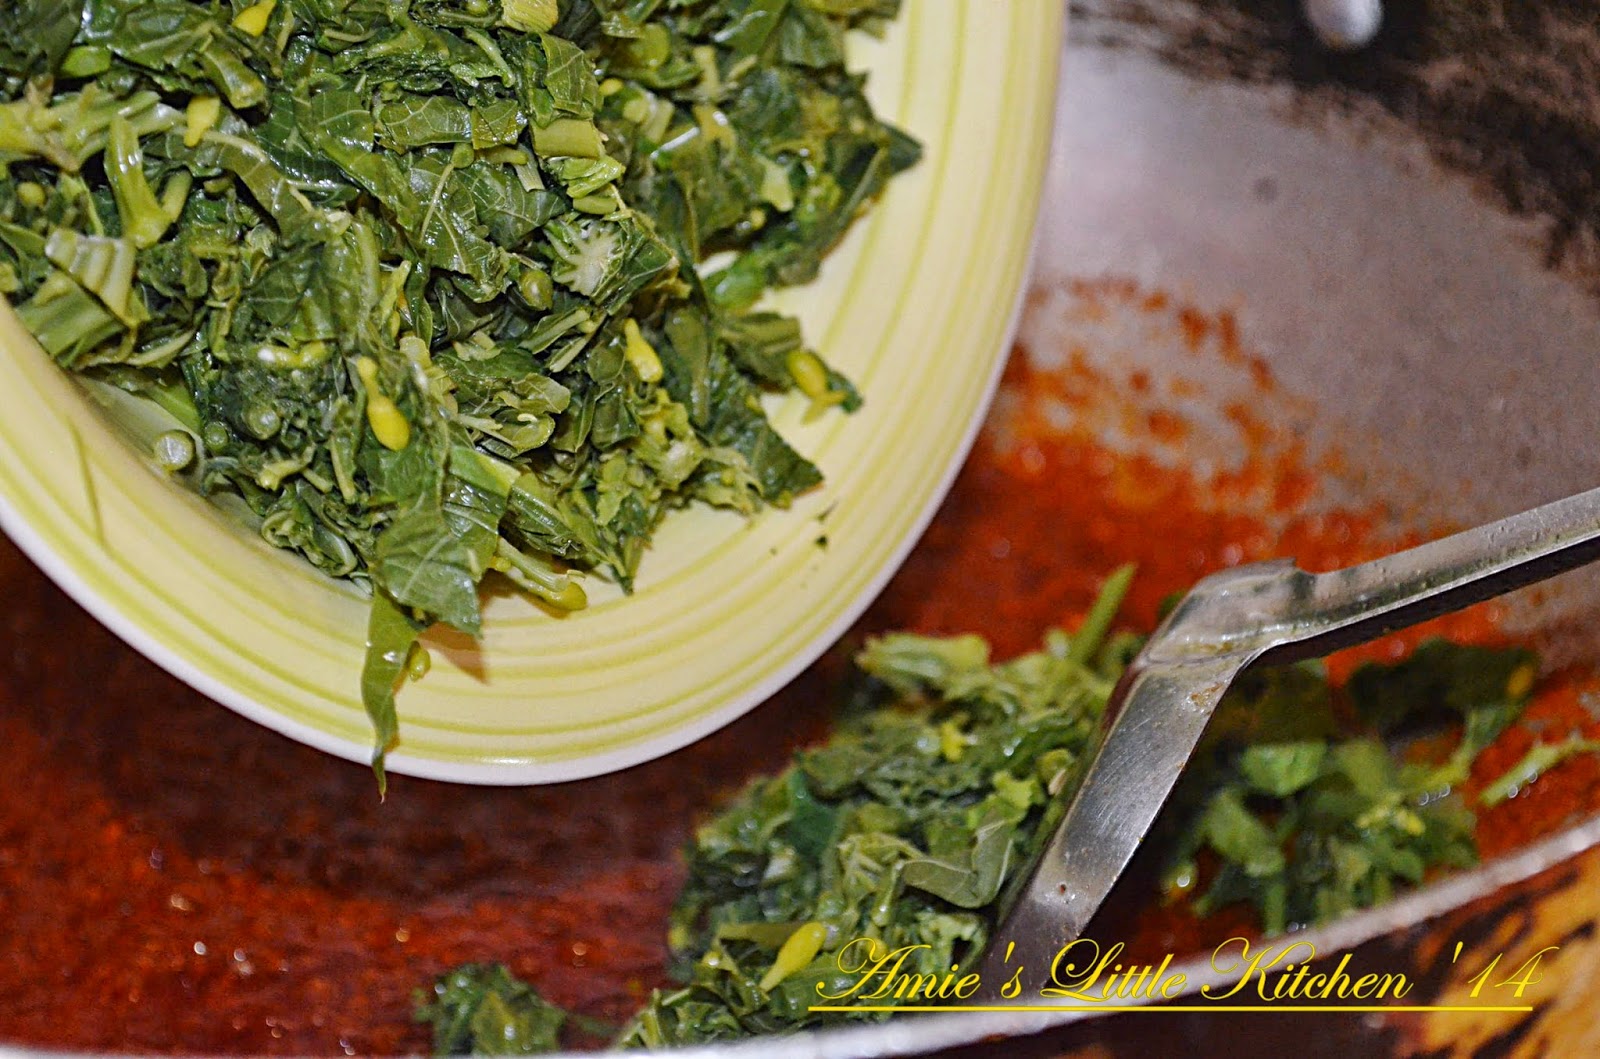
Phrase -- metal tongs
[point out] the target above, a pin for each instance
(1268, 612)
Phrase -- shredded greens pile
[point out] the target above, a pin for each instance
(427, 283)
(1304, 802)
(1313, 804)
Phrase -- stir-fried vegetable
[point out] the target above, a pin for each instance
(1310, 816)
(484, 1009)
(1305, 802)
(426, 282)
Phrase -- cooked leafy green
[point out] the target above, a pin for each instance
(1540, 758)
(903, 827)
(1304, 801)
(483, 1010)
(432, 283)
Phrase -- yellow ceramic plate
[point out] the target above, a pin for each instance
(916, 307)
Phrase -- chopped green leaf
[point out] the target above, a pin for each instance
(907, 824)
(358, 247)
(482, 1010)
(1540, 758)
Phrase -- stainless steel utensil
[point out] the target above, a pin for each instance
(1267, 612)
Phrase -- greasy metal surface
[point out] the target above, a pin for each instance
(1451, 365)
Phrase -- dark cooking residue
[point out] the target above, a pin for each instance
(1507, 92)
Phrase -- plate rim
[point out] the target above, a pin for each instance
(481, 766)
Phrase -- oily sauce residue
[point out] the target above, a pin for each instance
(174, 878)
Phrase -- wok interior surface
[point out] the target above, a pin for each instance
(1250, 332)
